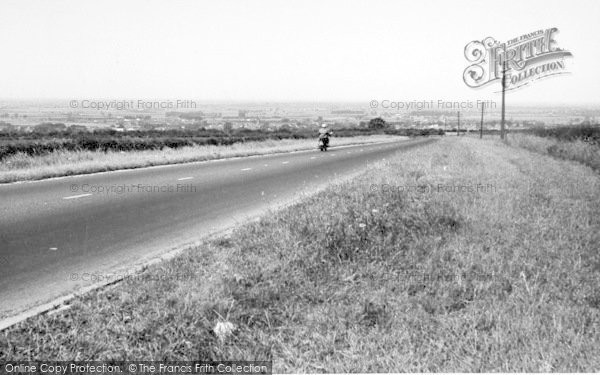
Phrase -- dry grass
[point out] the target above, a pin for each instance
(22, 167)
(364, 277)
(577, 150)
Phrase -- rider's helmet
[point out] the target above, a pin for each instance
(324, 125)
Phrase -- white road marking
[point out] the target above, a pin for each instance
(284, 162)
(184, 178)
(266, 165)
(77, 196)
(53, 248)
(313, 157)
(246, 169)
(361, 149)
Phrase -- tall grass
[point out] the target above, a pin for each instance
(585, 152)
(588, 133)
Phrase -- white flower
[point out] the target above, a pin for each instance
(375, 211)
(224, 330)
(362, 225)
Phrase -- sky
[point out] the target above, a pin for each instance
(281, 51)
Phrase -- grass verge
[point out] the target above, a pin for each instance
(21, 167)
(412, 266)
(587, 153)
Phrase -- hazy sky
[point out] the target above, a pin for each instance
(281, 50)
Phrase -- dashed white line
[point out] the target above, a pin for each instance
(184, 178)
(53, 248)
(77, 196)
(313, 157)
(246, 169)
(284, 162)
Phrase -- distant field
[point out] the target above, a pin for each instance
(465, 255)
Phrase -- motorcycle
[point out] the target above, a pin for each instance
(323, 142)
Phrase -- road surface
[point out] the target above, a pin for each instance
(59, 235)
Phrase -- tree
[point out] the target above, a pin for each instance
(377, 123)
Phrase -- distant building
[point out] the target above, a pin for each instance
(347, 112)
(48, 127)
(4, 126)
(78, 128)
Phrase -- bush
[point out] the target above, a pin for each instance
(586, 133)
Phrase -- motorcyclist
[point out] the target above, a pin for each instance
(324, 134)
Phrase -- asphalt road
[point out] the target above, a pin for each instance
(62, 234)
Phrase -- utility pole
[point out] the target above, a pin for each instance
(458, 129)
(502, 128)
(481, 126)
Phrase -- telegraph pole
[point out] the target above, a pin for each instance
(481, 126)
(502, 128)
(458, 129)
